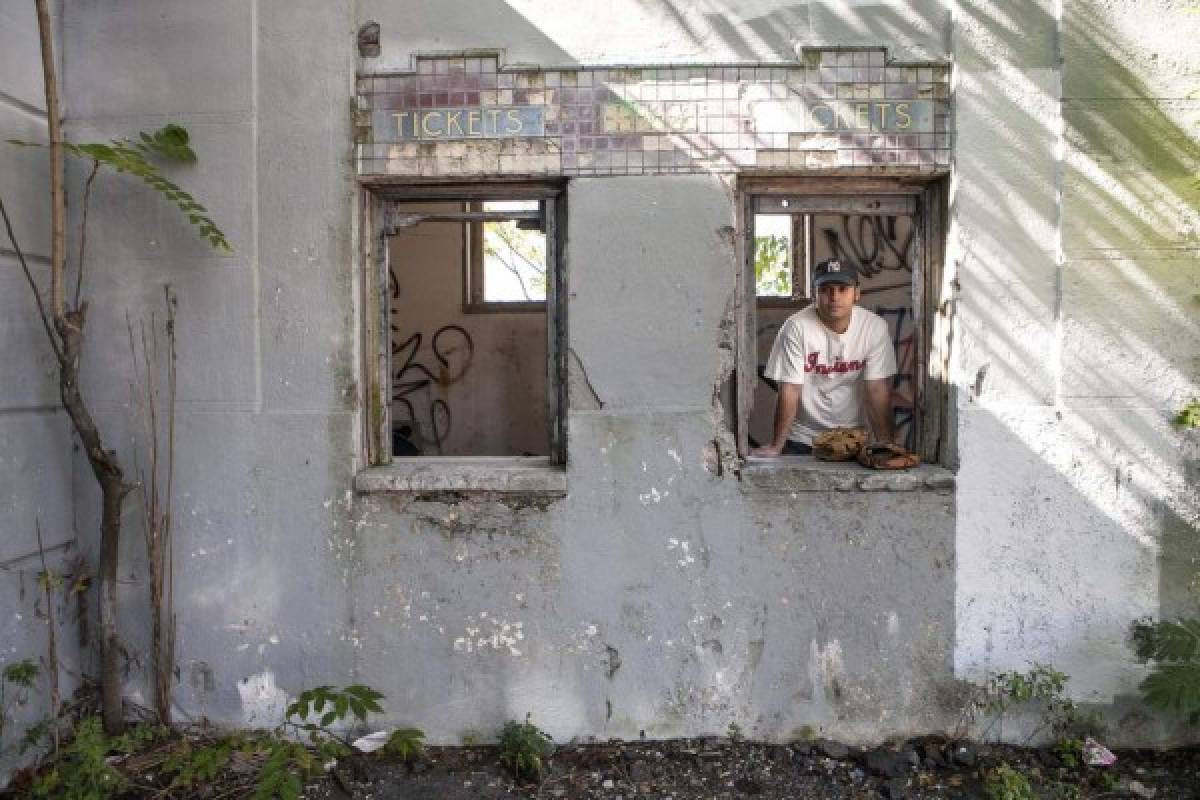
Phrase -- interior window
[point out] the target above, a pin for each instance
(465, 383)
(506, 259)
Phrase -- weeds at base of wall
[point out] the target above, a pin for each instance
(524, 749)
(152, 759)
(1041, 690)
(149, 759)
(16, 684)
(1006, 782)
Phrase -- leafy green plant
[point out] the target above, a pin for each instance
(65, 323)
(1005, 783)
(133, 157)
(1061, 790)
(524, 748)
(1189, 415)
(1042, 686)
(334, 705)
(289, 763)
(1006, 689)
(1069, 751)
(1108, 781)
(192, 765)
(138, 738)
(406, 743)
(278, 778)
(772, 268)
(93, 766)
(82, 772)
(16, 682)
(1174, 649)
(734, 732)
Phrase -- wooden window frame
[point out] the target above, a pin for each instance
(473, 272)
(802, 246)
(932, 296)
(378, 220)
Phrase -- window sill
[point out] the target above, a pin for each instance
(806, 474)
(509, 475)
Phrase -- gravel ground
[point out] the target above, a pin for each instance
(718, 768)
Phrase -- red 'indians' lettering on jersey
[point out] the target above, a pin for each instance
(836, 366)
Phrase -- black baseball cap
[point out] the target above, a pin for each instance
(835, 270)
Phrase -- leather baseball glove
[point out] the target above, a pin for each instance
(839, 444)
(883, 455)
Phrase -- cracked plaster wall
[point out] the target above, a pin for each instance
(657, 596)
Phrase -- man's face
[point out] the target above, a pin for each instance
(835, 302)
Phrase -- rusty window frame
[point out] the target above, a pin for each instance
(379, 217)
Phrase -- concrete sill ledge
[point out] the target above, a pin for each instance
(806, 474)
(515, 475)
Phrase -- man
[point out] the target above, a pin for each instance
(833, 362)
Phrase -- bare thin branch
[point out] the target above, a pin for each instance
(37, 297)
(58, 195)
(87, 193)
(51, 638)
(137, 395)
(167, 657)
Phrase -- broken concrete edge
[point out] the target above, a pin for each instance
(802, 474)
(538, 476)
(515, 475)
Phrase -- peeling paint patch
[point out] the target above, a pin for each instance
(263, 703)
(684, 547)
(826, 668)
(485, 633)
(653, 496)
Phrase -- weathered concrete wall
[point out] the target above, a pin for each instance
(267, 434)
(1077, 507)
(35, 440)
(657, 595)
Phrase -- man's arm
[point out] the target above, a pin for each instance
(878, 397)
(786, 405)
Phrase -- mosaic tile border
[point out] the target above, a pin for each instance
(456, 116)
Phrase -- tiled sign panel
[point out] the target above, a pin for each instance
(467, 116)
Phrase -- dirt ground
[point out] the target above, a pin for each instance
(720, 768)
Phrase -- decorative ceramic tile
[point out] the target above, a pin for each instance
(470, 116)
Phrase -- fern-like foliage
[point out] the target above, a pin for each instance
(1174, 688)
(1174, 646)
(406, 743)
(168, 144)
(1167, 640)
(355, 699)
(276, 779)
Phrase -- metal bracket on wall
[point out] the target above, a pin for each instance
(396, 220)
(368, 40)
